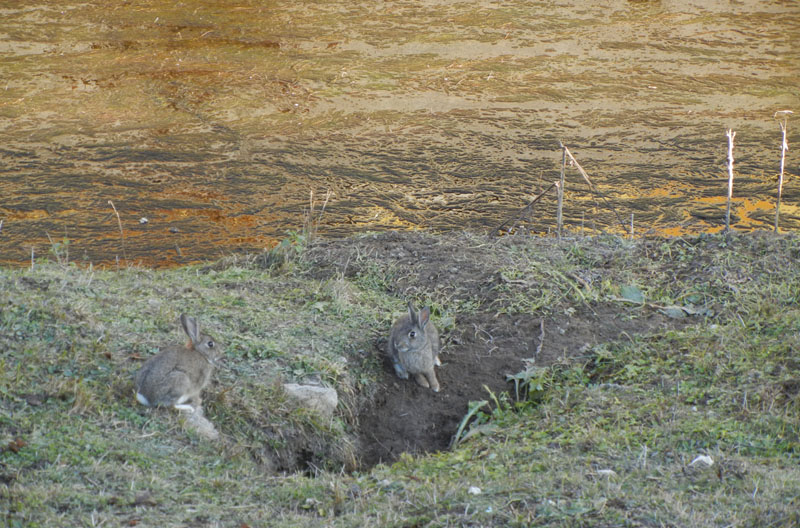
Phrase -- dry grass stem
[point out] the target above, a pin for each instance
(631, 226)
(559, 213)
(731, 134)
(784, 116)
(311, 221)
(54, 247)
(592, 187)
(525, 210)
(121, 234)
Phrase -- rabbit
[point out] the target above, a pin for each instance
(414, 347)
(176, 376)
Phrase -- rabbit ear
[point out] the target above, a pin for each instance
(412, 313)
(424, 317)
(190, 327)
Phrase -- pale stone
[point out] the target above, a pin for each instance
(320, 399)
(200, 424)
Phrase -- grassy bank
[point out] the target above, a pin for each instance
(658, 385)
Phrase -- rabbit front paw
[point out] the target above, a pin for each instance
(399, 370)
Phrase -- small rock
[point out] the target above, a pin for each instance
(320, 399)
(201, 425)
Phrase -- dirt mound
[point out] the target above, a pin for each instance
(481, 349)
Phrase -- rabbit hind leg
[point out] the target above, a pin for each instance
(179, 393)
(190, 402)
(422, 380)
(432, 381)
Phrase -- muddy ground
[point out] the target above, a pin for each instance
(482, 348)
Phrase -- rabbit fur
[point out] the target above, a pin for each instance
(414, 347)
(176, 376)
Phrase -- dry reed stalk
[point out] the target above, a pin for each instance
(731, 134)
(559, 217)
(54, 248)
(631, 226)
(328, 195)
(593, 188)
(523, 211)
(784, 114)
(121, 234)
(310, 223)
(559, 212)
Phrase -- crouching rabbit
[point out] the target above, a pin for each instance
(414, 347)
(176, 376)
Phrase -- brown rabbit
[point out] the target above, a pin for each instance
(414, 347)
(177, 376)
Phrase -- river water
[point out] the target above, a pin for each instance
(161, 133)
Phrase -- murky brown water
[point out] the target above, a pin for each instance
(215, 120)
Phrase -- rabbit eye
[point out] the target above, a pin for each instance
(412, 334)
(210, 344)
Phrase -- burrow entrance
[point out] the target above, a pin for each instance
(405, 417)
(484, 347)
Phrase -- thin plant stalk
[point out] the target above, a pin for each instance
(312, 221)
(121, 234)
(631, 226)
(560, 209)
(328, 195)
(54, 248)
(731, 134)
(784, 147)
(525, 210)
(66, 245)
(560, 200)
(308, 226)
(593, 188)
